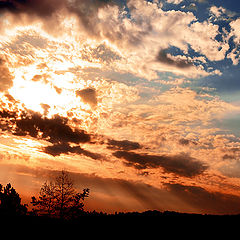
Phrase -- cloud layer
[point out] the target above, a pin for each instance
(182, 165)
(6, 79)
(125, 95)
(138, 37)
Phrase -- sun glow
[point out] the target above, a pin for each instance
(33, 94)
(48, 72)
(47, 93)
(44, 98)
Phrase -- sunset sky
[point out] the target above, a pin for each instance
(139, 100)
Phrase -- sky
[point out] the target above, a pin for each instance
(138, 100)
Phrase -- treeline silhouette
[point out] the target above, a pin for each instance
(60, 202)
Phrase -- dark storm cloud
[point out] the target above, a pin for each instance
(54, 130)
(8, 115)
(65, 148)
(85, 10)
(42, 8)
(123, 145)
(186, 142)
(88, 95)
(183, 141)
(7, 120)
(164, 58)
(6, 79)
(182, 164)
(205, 201)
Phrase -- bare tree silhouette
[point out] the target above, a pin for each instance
(59, 198)
(46, 202)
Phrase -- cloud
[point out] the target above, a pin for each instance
(217, 11)
(88, 95)
(205, 201)
(54, 130)
(178, 106)
(134, 34)
(100, 53)
(184, 141)
(87, 13)
(6, 79)
(107, 194)
(202, 1)
(116, 194)
(221, 13)
(175, 1)
(181, 164)
(7, 120)
(65, 148)
(234, 55)
(235, 30)
(167, 59)
(138, 38)
(125, 145)
(42, 8)
(46, 108)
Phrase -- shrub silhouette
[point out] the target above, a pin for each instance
(10, 202)
(59, 198)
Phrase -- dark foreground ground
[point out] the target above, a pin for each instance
(89, 217)
(133, 225)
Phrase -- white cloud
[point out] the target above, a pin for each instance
(234, 55)
(220, 13)
(139, 38)
(217, 11)
(175, 1)
(235, 25)
(201, 37)
(150, 29)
